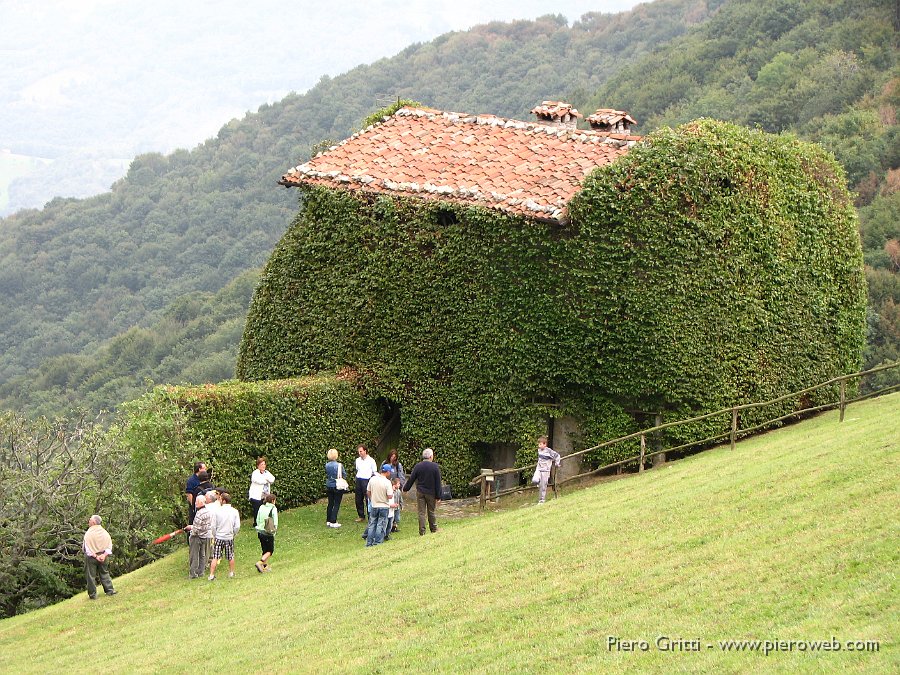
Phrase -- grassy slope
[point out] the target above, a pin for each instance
(792, 537)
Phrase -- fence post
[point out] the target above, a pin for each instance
(486, 477)
(660, 459)
(553, 472)
(734, 425)
(843, 398)
(643, 451)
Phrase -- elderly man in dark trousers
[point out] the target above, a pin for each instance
(97, 549)
(426, 476)
(201, 532)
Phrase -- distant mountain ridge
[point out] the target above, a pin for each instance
(79, 277)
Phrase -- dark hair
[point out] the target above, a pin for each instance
(203, 476)
(198, 466)
(393, 453)
(225, 497)
(270, 498)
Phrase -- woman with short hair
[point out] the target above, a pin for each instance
(266, 535)
(333, 470)
(260, 485)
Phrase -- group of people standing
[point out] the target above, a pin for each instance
(213, 522)
(379, 492)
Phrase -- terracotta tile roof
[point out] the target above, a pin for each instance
(518, 167)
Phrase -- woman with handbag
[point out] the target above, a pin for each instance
(266, 526)
(335, 485)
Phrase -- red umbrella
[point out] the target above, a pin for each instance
(166, 537)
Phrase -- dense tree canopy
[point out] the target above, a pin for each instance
(78, 273)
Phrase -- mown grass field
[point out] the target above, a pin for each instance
(794, 536)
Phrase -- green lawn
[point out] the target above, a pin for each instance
(794, 536)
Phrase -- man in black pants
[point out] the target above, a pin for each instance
(365, 469)
(426, 476)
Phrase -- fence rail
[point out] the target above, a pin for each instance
(489, 476)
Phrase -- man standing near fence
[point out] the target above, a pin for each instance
(426, 476)
(547, 457)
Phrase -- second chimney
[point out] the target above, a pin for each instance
(557, 114)
(611, 121)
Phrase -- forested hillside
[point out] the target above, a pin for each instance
(80, 272)
(97, 296)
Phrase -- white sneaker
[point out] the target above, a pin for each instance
(329, 525)
(212, 577)
(230, 575)
(335, 524)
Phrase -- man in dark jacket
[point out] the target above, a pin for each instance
(190, 489)
(426, 476)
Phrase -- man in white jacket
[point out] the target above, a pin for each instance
(226, 524)
(260, 485)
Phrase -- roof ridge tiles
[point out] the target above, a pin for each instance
(583, 135)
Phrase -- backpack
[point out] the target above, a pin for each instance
(203, 488)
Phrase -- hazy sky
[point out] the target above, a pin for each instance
(67, 43)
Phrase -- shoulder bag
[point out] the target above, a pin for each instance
(269, 525)
(340, 483)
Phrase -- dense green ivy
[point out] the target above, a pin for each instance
(228, 425)
(712, 265)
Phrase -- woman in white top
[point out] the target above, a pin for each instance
(260, 485)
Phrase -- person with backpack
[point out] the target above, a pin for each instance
(266, 527)
(203, 486)
(190, 489)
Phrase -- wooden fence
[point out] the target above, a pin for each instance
(489, 476)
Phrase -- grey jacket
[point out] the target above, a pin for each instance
(228, 522)
(546, 458)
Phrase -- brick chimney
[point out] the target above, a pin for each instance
(557, 114)
(611, 121)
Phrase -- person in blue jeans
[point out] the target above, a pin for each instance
(333, 469)
(380, 492)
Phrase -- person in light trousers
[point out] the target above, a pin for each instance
(547, 458)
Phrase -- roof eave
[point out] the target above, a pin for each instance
(354, 186)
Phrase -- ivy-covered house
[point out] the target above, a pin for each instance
(488, 280)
